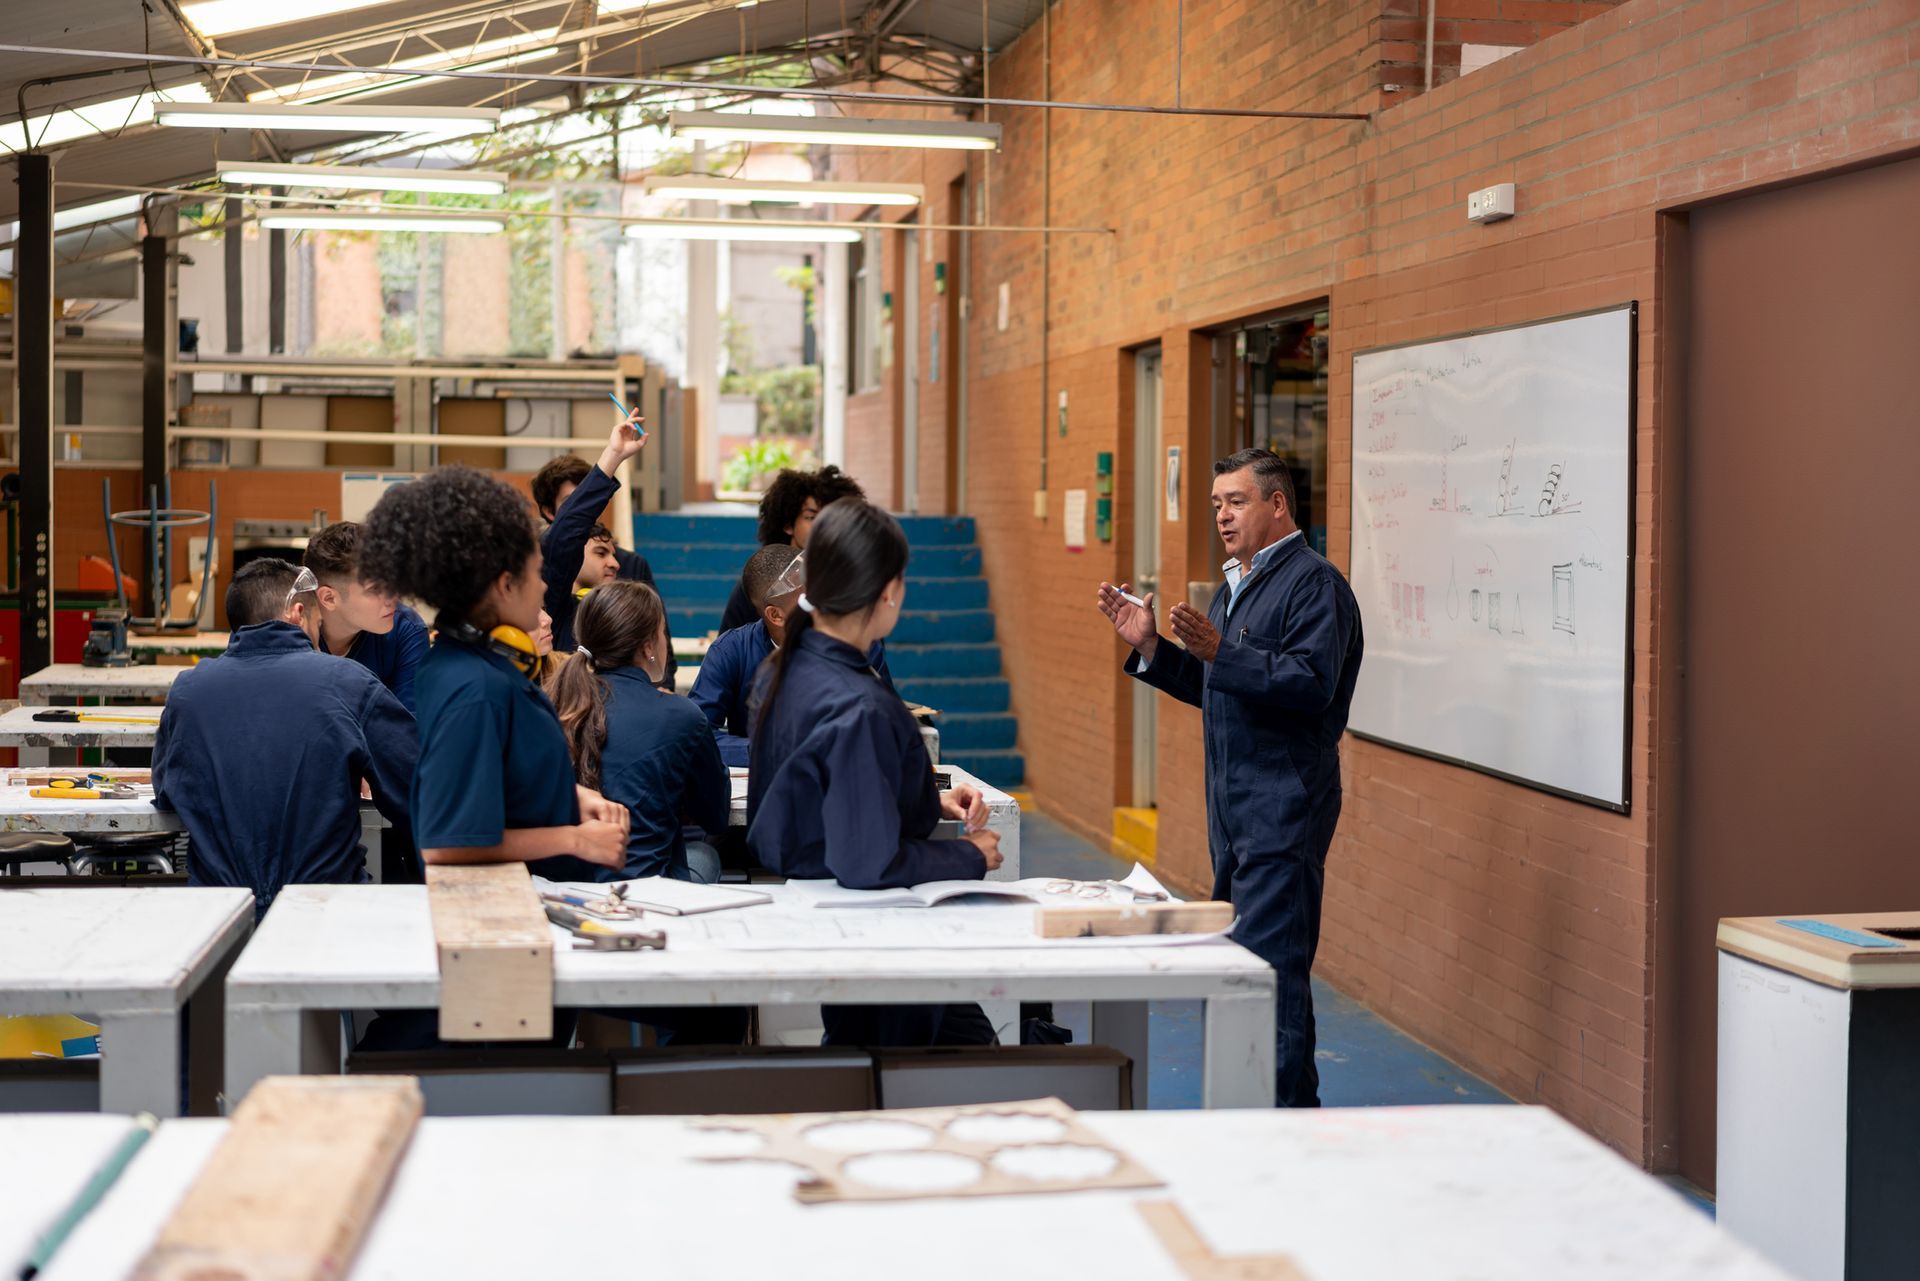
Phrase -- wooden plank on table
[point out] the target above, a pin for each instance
(292, 1188)
(1091, 919)
(496, 953)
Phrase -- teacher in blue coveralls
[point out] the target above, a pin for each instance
(1271, 665)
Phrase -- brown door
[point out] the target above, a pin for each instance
(1800, 736)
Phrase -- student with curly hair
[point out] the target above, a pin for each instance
(787, 512)
(495, 782)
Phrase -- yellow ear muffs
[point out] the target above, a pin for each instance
(515, 646)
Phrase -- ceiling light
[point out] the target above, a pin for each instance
(316, 220)
(347, 119)
(835, 131)
(735, 191)
(738, 229)
(68, 123)
(459, 182)
(224, 17)
(477, 57)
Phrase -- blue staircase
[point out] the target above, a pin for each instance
(943, 655)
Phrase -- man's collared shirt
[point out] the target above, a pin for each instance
(1236, 575)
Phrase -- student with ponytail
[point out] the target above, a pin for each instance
(495, 782)
(638, 745)
(841, 785)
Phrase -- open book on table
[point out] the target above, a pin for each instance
(1139, 886)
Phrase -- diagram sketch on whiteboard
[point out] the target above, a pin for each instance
(1563, 599)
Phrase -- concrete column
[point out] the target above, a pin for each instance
(830, 307)
(33, 349)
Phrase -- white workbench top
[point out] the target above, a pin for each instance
(341, 945)
(44, 1162)
(112, 947)
(19, 729)
(198, 643)
(1402, 1194)
(72, 680)
(21, 811)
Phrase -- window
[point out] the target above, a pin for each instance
(1278, 401)
(868, 336)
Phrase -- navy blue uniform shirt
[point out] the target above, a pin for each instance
(660, 762)
(842, 785)
(492, 757)
(563, 549)
(261, 752)
(394, 657)
(724, 686)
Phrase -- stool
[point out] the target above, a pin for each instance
(17, 849)
(126, 853)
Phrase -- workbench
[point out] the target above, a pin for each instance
(131, 959)
(202, 644)
(324, 948)
(1433, 1194)
(19, 729)
(21, 811)
(64, 682)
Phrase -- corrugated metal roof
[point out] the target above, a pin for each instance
(660, 37)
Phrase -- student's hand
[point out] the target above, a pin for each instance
(1134, 623)
(626, 441)
(366, 790)
(597, 808)
(965, 804)
(602, 844)
(988, 843)
(1200, 637)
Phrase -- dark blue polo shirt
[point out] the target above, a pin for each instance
(659, 761)
(394, 657)
(261, 752)
(492, 757)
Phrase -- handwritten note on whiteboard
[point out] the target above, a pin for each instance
(1492, 553)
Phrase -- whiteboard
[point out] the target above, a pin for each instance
(1492, 550)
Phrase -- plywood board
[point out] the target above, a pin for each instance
(495, 952)
(1891, 961)
(359, 413)
(290, 1191)
(282, 412)
(1111, 919)
(463, 416)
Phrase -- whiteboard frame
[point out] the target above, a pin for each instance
(1632, 308)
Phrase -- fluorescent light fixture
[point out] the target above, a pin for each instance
(68, 123)
(320, 220)
(450, 121)
(224, 17)
(510, 50)
(737, 191)
(459, 182)
(738, 229)
(833, 131)
(112, 210)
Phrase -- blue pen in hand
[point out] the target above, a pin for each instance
(626, 413)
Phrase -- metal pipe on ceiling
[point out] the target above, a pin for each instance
(646, 82)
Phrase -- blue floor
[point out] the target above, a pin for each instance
(1364, 1062)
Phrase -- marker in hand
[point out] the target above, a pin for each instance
(1131, 599)
(626, 413)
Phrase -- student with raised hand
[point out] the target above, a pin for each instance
(575, 522)
(841, 785)
(637, 745)
(788, 509)
(774, 578)
(495, 782)
(262, 750)
(361, 622)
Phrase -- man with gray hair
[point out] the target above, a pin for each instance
(1271, 665)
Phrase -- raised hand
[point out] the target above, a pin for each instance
(1133, 622)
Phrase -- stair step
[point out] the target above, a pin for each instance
(945, 628)
(714, 558)
(1004, 770)
(937, 531)
(650, 528)
(911, 662)
(977, 732)
(925, 592)
(688, 591)
(975, 695)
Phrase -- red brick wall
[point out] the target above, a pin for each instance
(1509, 23)
(1508, 928)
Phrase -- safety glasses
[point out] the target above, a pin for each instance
(792, 579)
(306, 582)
